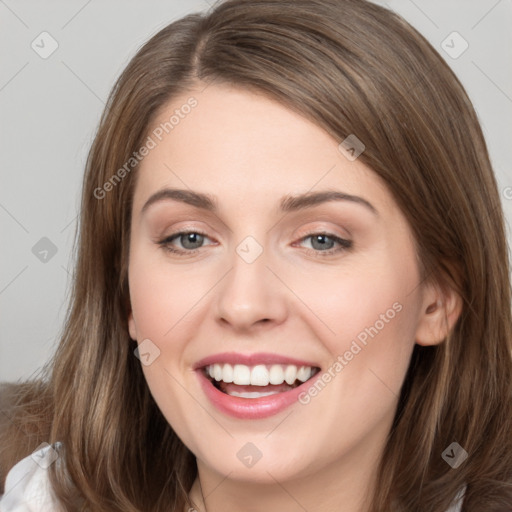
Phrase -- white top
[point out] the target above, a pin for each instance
(27, 487)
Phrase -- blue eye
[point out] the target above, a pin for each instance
(191, 241)
(326, 243)
(322, 244)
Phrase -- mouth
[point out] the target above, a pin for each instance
(257, 381)
(254, 386)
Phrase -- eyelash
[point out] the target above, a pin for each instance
(344, 244)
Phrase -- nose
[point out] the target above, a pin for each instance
(250, 295)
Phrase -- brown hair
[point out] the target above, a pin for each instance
(351, 67)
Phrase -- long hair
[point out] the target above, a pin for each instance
(351, 67)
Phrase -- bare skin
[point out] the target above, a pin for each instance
(249, 152)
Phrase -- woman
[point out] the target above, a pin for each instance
(292, 289)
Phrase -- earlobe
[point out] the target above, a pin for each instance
(440, 312)
(131, 326)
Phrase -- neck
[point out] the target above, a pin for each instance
(346, 483)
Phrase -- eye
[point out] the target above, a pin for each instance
(324, 244)
(190, 242)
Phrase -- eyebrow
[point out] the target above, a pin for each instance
(287, 203)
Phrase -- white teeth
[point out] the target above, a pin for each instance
(241, 375)
(217, 372)
(276, 374)
(304, 373)
(290, 374)
(259, 375)
(251, 394)
(227, 373)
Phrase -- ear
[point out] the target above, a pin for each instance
(441, 309)
(131, 326)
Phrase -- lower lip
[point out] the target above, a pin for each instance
(250, 408)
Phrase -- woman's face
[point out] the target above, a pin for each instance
(277, 281)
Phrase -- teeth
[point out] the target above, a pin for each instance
(217, 372)
(259, 375)
(290, 374)
(251, 394)
(241, 375)
(227, 373)
(276, 374)
(304, 373)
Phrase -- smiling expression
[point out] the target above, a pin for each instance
(292, 252)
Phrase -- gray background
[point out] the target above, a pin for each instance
(50, 107)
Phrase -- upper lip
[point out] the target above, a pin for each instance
(251, 359)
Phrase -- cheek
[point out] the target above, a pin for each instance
(374, 323)
(159, 298)
(159, 301)
(366, 317)
(346, 303)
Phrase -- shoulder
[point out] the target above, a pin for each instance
(26, 410)
(27, 486)
(456, 505)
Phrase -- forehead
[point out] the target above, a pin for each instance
(240, 145)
